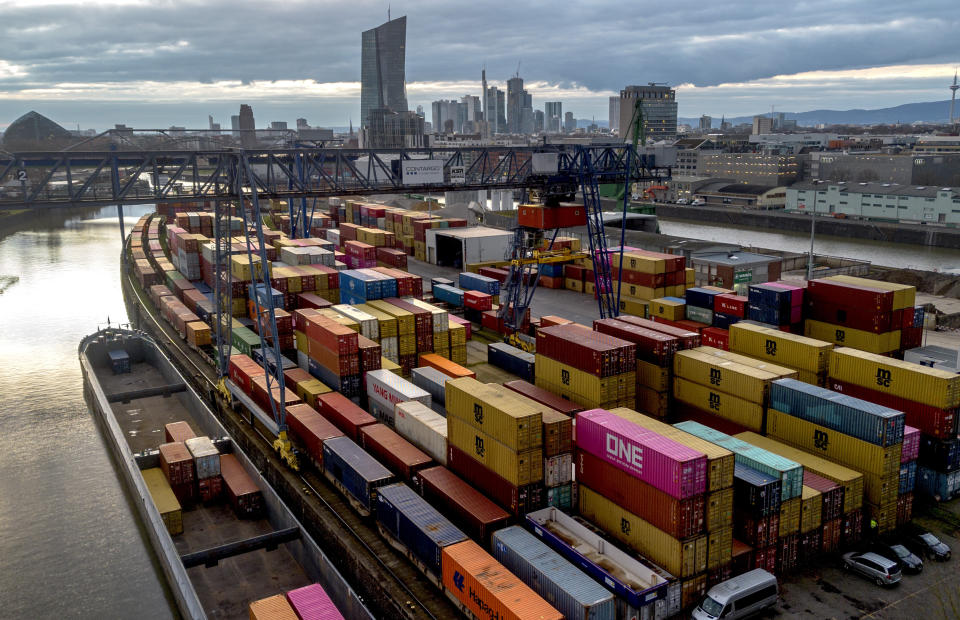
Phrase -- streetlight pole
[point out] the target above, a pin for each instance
(813, 223)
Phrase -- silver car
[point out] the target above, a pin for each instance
(883, 571)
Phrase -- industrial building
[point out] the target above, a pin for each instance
(721, 193)
(881, 201)
(659, 107)
(755, 168)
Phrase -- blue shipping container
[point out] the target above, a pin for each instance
(358, 472)
(941, 486)
(558, 582)
(359, 283)
(552, 270)
(511, 359)
(908, 477)
(449, 294)
(388, 285)
(348, 385)
(700, 297)
(259, 354)
(476, 282)
(770, 297)
(724, 321)
(942, 455)
(754, 492)
(261, 295)
(416, 525)
(433, 381)
(351, 299)
(864, 420)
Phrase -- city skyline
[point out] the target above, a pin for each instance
(180, 70)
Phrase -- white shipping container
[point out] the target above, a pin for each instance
(293, 255)
(206, 457)
(558, 470)
(423, 427)
(441, 319)
(388, 348)
(389, 388)
(369, 326)
(333, 236)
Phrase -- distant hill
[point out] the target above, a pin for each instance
(926, 112)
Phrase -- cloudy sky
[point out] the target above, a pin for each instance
(160, 63)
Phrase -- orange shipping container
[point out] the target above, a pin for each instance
(483, 587)
(272, 608)
(451, 369)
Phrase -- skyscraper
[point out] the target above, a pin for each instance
(553, 117)
(382, 69)
(496, 118)
(517, 100)
(659, 106)
(614, 120)
(248, 136)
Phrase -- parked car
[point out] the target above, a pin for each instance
(681, 201)
(909, 562)
(873, 566)
(696, 202)
(925, 544)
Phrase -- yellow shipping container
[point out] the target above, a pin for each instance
(346, 321)
(441, 340)
(811, 509)
(884, 514)
(582, 387)
(499, 413)
(573, 284)
(719, 509)
(813, 378)
(652, 376)
(719, 547)
(387, 323)
(681, 558)
(386, 364)
(849, 479)
(849, 337)
(779, 347)
(720, 461)
(880, 489)
(458, 335)
(675, 290)
(517, 468)
(651, 402)
(790, 516)
(300, 340)
(750, 384)
(406, 344)
(635, 307)
(405, 322)
(589, 287)
(720, 404)
(668, 309)
(310, 389)
(690, 276)
(930, 386)
(642, 263)
(834, 445)
(164, 499)
(240, 266)
(904, 295)
(782, 372)
(639, 293)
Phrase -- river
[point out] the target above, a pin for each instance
(877, 252)
(70, 541)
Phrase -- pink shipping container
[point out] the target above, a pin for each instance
(669, 466)
(911, 444)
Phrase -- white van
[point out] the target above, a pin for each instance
(739, 597)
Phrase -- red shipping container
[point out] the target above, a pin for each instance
(550, 321)
(544, 397)
(685, 324)
(186, 493)
(841, 292)
(176, 463)
(242, 370)
(810, 544)
(181, 431)
(258, 393)
(516, 500)
(370, 354)
(831, 494)
(731, 304)
(650, 280)
(652, 346)
(940, 423)
(209, 489)
(396, 453)
(478, 516)
(904, 508)
(755, 531)
(686, 339)
(343, 413)
(766, 558)
(244, 495)
(788, 551)
(341, 365)
(678, 517)
(335, 337)
(348, 232)
(500, 275)
(911, 338)
(598, 354)
(832, 535)
(551, 282)
(852, 527)
(294, 376)
(848, 314)
(716, 338)
(311, 429)
(476, 300)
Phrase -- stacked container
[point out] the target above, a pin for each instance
(776, 304)
(701, 303)
(645, 276)
(385, 390)
(333, 354)
(587, 367)
(406, 332)
(206, 467)
(423, 427)
(470, 509)
(434, 382)
(807, 356)
(241, 491)
(909, 452)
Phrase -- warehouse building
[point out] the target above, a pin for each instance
(879, 201)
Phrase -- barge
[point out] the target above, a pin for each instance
(220, 563)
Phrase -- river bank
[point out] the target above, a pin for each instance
(17, 220)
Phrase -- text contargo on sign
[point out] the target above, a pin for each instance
(420, 171)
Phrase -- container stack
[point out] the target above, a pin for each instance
(654, 351)
(479, 294)
(386, 329)
(701, 303)
(441, 326)
(855, 433)
(909, 453)
(333, 352)
(726, 385)
(422, 331)
(406, 333)
(859, 313)
(809, 357)
(495, 442)
(647, 491)
(646, 276)
(590, 368)
(385, 390)
(434, 382)
(776, 304)
(767, 497)
(205, 461)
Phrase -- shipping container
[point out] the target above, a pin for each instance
(858, 418)
(516, 499)
(834, 445)
(344, 413)
(434, 382)
(779, 347)
(497, 413)
(940, 454)
(176, 463)
(755, 493)
(311, 602)
(847, 336)
(558, 582)
(720, 461)
(544, 397)
(385, 390)
(518, 468)
(311, 429)
(651, 346)
(354, 472)
(478, 516)
(789, 472)
(850, 481)
(593, 352)
(275, 607)
(178, 431)
(416, 528)
(670, 466)
(937, 485)
(930, 386)
(454, 371)
(244, 495)
(933, 421)
(681, 518)
(641, 588)
(511, 359)
(164, 500)
(719, 547)
(398, 454)
(721, 404)
(719, 508)
(206, 457)
(423, 427)
(750, 384)
(686, 339)
(681, 558)
(790, 517)
(588, 391)
(811, 508)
